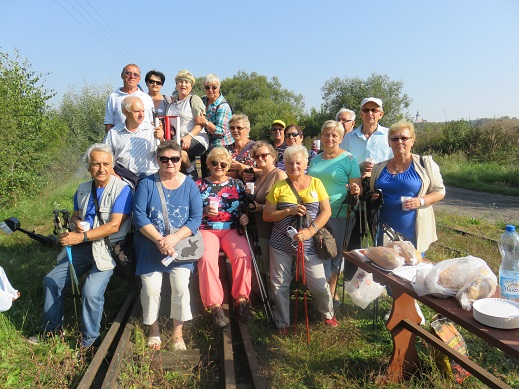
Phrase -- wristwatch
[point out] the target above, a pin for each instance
(422, 202)
(85, 237)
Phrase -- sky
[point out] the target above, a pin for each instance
(457, 59)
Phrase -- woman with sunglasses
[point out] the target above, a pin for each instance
(222, 199)
(294, 136)
(184, 214)
(340, 174)
(266, 157)
(155, 81)
(187, 106)
(240, 149)
(410, 184)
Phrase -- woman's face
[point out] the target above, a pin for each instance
(218, 167)
(263, 158)
(184, 88)
(169, 162)
(296, 165)
(330, 139)
(238, 130)
(154, 84)
(401, 142)
(212, 90)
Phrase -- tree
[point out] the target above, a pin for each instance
(83, 112)
(349, 92)
(263, 101)
(31, 134)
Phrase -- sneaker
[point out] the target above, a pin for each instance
(420, 313)
(219, 319)
(42, 336)
(243, 311)
(331, 322)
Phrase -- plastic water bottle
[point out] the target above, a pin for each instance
(509, 269)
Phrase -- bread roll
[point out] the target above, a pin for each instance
(407, 250)
(478, 289)
(385, 257)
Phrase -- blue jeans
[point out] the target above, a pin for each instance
(92, 294)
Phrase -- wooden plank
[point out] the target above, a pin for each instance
(259, 380)
(228, 353)
(182, 362)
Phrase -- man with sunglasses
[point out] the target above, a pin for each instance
(131, 75)
(278, 141)
(134, 142)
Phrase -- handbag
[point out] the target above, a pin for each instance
(324, 242)
(189, 249)
(122, 251)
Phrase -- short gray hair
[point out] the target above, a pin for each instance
(126, 104)
(101, 147)
(295, 149)
(345, 110)
(210, 78)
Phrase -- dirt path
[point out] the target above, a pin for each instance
(491, 207)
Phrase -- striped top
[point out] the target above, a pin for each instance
(283, 197)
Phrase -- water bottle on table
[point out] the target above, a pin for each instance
(509, 269)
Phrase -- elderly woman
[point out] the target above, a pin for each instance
(339, 173)
(294, 136)
(168, 191)
(155, 81)
(265, 156)
(193, 136)
(222, 198)
(410, 185)
(283, 209)
(240, 149)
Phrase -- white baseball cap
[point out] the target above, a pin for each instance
(371, 99)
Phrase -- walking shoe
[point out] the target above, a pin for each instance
(331, 322)
(42, 336)
(243, 311)
(219, 319)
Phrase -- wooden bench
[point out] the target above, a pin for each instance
(403, 325)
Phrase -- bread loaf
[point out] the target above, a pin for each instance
(406, 250)
(478, 289)
(385, 257)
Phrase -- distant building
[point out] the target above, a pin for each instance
(418, 118)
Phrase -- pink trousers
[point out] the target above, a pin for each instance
(237, 250)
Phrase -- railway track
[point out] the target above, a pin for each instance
(238, 359)
(463, 233)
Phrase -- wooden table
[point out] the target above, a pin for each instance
(404, 326)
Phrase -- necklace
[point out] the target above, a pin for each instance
(167, 191)
(397, 167)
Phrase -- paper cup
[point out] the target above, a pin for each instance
(372, 160)
(318, 144)
(404, 199)
(214, 203)
(85, 226)
(250, 186)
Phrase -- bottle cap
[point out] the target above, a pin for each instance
(510, 228)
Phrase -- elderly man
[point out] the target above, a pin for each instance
(278, 141)
(134, 141)
(89, 250)
(347, 118)
(131, 76)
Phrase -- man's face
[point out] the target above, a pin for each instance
(371, 113)
(278, 132)
(131, 77)
(136, 114)
(292, 137)
(346, 121)
(100, 167)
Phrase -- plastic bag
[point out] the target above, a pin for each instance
(447, 277)
(362, 289)
(479, 288)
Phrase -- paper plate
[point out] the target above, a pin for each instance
(497, 313)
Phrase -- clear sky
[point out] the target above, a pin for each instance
(456, 58)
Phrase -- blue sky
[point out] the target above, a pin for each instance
(456, 58)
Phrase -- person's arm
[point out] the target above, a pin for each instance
(107, 229)
(325, 211)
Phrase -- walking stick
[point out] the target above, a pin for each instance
(300, 264)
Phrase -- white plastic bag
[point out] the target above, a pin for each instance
(362, 289)
(447, 277)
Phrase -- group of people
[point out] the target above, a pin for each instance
(181, 221)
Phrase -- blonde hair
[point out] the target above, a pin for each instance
(332, 124)
(185, 75)
(240, 117)
(401, 125)
(221, 154)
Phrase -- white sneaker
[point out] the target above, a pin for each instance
(420, 313)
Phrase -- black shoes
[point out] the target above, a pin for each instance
(242, 310)
(219, 319)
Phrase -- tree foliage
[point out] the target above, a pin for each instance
(83, 112)
(263, 101)
(348, 92)
(31, 135)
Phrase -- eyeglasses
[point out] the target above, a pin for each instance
(174, 159)
(366, 110)
(293, 135)
(346, 120)
(154, 82)
(277, 129)
(207, 87)
(402, 138)
(237, 128)
(129, 74)
(222, 165)
(262, 155)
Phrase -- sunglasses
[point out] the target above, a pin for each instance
(346, 120)
(277, 130)
(293, 135)
(263, 155)
(237, 128)
(154, 82)
(402, 138)
(174, 159)
(366, 110)
(129, 74)
(222, 165)
(207, 87)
